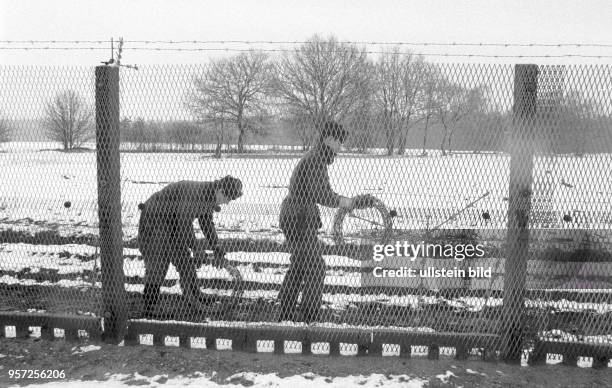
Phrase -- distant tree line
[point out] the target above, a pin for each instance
(177, 135)
(395, 102)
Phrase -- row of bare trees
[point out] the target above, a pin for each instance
(383, 102)
(329, 80)
(179, 135)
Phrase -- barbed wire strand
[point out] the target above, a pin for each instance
(379, 43)
(202, 49)
(55, 48)
(55, 41)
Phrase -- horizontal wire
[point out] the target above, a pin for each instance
(54, 48)
(373, 43)
(201, 49)
(400, 43)
(468, 55)
(55, 41)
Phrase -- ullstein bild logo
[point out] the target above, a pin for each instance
(432, 272)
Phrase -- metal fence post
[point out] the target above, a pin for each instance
(517, 238)
(109, 202)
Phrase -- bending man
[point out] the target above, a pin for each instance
(166, 234)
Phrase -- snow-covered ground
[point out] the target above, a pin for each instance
(246, 379)
(39, 181)
(424, 191)
(73, 261)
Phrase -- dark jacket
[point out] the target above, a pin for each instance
(169, 214)
(309, 186)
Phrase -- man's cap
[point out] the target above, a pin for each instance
(231, 187)
(334, 130)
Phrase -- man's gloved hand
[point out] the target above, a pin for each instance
(364, 201)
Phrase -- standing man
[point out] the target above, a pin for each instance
(300, 221)
(166, 235)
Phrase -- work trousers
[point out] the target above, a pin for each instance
(306, 274)
(161, 243)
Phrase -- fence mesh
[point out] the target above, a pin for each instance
(237, 208)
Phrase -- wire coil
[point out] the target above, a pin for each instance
(341, 214)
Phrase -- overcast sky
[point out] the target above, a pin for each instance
(477, 21)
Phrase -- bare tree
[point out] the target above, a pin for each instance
(454, 104)
(184, 134)
(321, 79)
(5, 130)
(389, 92)
(430, 100)
(362, 117)
(68, 120)
(572, 123)
(216, 125)
(125, 129)
(400, 81)
(301, 126)
(234, 90)
(414, 72)
(139, 133)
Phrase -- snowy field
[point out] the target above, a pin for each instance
(425, 191)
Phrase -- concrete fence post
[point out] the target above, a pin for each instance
(109, 203)
(519, 207)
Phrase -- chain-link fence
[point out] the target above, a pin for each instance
(470, 205)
